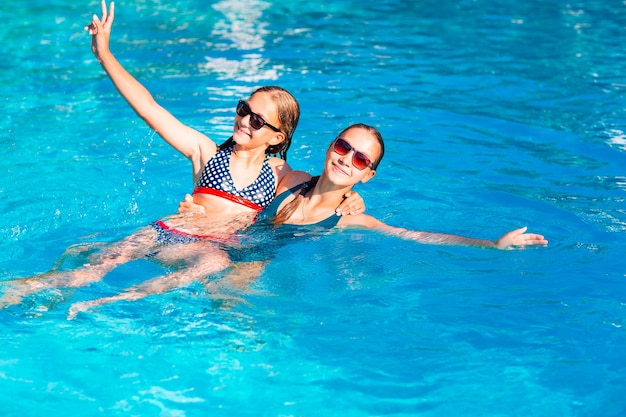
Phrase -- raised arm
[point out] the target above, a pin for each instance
(195, 146)
(514, 239)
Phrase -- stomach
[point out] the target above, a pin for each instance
(221, 217)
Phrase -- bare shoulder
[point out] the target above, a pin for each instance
(207, 147)
(280, 167)
(292, 179)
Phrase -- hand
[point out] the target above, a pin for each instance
(352, 204)
(519, 238)
(187, 206)
(100, 30)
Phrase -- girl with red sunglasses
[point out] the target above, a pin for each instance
(352, 158)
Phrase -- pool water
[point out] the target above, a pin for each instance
(496, 114)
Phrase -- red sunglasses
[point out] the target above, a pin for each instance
(359, 160)
(256, 121)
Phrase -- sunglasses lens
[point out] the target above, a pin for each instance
(342, 147)
(243, 109)
(256, 122)
(360, 161)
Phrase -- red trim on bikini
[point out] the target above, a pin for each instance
(228, 196)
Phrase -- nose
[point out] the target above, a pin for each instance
(346, 159)
(245, 120)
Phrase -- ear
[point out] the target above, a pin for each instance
(277, 139)
(369, 176)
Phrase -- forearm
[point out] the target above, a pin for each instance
(194, 145)
(135, 94)
(445, 239)
(435, 238)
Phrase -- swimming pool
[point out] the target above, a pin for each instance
(496, 114)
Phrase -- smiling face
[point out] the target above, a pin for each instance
(341, 169)
(248, 137)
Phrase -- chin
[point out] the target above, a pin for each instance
(240, 136)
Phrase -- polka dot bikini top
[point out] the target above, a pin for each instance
(216, 179)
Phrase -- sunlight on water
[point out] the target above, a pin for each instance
(496, 115)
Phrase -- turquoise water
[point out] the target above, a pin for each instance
(496, 114)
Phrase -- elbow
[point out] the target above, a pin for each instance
(149, 111)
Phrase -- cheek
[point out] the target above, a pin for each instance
(368, 176)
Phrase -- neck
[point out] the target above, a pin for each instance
(253, 155)
(326, 195)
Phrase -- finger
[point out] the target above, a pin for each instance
(534, 239)
(103, 5)
(91, 27)
(109, 20)
(519, 231)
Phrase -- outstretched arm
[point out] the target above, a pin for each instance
(510, 240)
(516, 238)
(194, 145)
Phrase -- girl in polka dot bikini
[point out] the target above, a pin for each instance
(234, 181)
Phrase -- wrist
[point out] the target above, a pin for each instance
(103, 53)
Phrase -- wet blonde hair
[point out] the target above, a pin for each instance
(288, 116)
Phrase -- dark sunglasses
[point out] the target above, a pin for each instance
(359, 160)
(256, 121)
